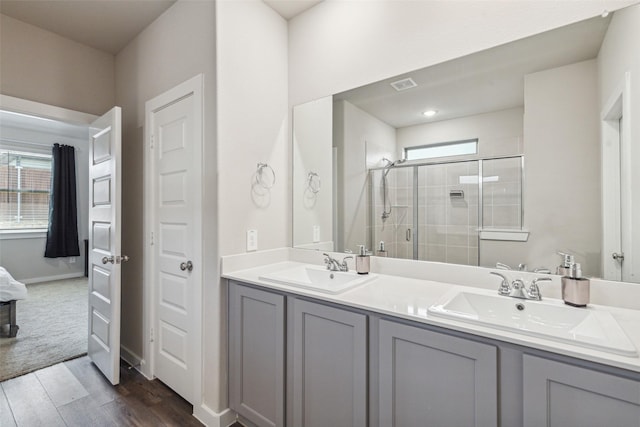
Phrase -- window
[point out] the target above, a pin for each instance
(444, 149)
(25, 182)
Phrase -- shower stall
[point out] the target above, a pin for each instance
(435, 211)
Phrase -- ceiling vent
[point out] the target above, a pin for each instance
(403, 84)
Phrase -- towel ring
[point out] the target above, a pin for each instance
(265, 175)
(313, 182)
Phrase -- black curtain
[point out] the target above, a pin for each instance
(62, 234)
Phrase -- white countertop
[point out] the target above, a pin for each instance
(409, 298)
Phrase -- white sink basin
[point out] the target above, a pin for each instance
(587, 327)
(318, 279)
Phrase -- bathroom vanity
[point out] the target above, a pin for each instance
(375, 356)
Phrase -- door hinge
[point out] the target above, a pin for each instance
(152, 140)
(151, 240)
(151, 335)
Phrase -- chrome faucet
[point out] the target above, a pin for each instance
(518, 289)
(335, 265)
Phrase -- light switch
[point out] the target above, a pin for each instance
(316, 233)
(252, 240)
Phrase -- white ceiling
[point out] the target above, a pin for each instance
(12, 123)
(290, 8)
(491, 80)
(107, 25)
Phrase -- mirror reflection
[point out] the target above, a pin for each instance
(504, 157)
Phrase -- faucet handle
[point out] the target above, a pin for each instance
(504, 288)
(534, 289)
(344, 265)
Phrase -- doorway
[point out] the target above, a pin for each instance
(52, 319)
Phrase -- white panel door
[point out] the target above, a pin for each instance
(104, 244)
(175, 126)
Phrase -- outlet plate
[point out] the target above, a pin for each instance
(252, 240)
(72, 260)
(316, 233)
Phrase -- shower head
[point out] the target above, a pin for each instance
(391, 164)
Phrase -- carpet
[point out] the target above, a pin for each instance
(53, 327)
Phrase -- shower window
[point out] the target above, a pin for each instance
(444, 149)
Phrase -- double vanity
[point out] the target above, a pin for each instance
(415, 344)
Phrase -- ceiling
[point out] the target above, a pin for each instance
(490, 80)
(109, 25)
(290, 8)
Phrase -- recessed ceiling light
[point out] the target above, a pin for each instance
(430, 113)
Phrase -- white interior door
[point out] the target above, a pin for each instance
(175, 123)
(104, 243)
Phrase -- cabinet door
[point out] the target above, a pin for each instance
(431, 379)
(558, 394)
(329, 371)
(256, 355)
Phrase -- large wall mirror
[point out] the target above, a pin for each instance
(509, 156)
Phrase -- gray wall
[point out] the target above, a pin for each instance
(41, 66)
(177, 46)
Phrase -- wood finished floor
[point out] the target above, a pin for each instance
(75, 393)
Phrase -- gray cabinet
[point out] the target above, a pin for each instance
(256, 355)
(558, 394)
(328, 368)
(432, 379)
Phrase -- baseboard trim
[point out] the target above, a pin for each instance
(51, 278)
(211, 418)
(132, 359)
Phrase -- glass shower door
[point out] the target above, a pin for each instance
(392, 197)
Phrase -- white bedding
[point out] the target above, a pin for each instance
(10, 288)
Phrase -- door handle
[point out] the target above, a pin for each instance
(115, 259)
(618, 256)
(186, 266)
(407, 235)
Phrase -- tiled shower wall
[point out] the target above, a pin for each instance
(502, 193)
(448, 225)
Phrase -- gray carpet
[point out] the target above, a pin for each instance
(53, 328)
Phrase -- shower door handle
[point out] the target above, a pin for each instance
(408, 235)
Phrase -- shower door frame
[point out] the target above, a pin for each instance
(415, 165)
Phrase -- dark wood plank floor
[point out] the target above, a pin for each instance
(74, 393)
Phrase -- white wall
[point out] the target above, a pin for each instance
(562, 171)
(499, 133)
(619, 53)
(312, 153)
(253, 125)
(177, 46)
(41, 66)
(362, 141)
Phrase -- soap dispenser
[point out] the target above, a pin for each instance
(381, 250)
(575, 289)
(564, 269)
(363, 261)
